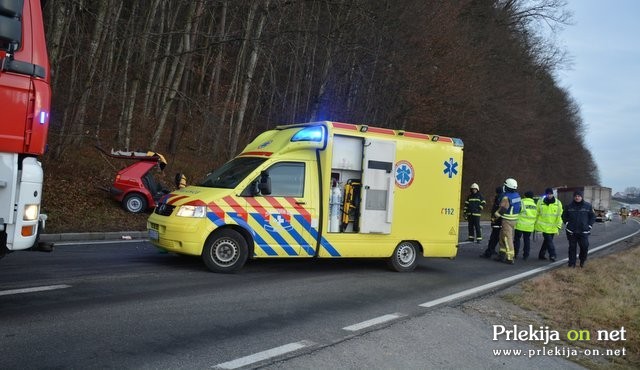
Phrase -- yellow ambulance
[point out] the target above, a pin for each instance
(321, 190)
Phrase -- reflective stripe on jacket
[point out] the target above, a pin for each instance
(515, 204)
(527, 216)
(474, 204)
(549, 219)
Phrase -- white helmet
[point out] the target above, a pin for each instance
(475, 186)
(511, 183)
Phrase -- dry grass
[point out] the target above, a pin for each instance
(604, 295)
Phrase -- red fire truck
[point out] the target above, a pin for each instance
(25, 100)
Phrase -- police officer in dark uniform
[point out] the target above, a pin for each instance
(578, 218)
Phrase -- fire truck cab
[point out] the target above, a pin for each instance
(324, 190)
(25, 94)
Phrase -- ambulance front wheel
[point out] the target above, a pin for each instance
(404, 257)
(225, 251)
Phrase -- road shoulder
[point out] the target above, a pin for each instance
(446, 337)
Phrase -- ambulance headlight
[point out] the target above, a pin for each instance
(30, 212)
(192, 211)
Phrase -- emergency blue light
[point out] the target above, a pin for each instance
(458, 142)
(43, 117)
(312, 133)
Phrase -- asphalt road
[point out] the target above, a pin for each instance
(125, 305)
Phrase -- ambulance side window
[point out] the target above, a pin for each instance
(287, 179)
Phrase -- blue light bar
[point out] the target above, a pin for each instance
(312, 133)
(458, 142)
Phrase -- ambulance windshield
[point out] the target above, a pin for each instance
(232, 173)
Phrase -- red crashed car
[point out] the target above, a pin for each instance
(135, 186)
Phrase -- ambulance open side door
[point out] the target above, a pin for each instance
(377, 186)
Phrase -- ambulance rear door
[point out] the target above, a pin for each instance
(377, 186)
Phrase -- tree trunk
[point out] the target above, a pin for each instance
(249, 78)
(77, 125)
(190, 37)
(213, 91)
(130, 99)
(232, 92)
(178, 69)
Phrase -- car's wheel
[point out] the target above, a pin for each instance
(404, 257)
(134, 203)
(225, 251)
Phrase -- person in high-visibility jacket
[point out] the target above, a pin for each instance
(525, 225)
(549, 222)
(509, 210)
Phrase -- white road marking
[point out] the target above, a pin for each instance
(372, 322)
(34, 289)
(264, 355)
(511, 279)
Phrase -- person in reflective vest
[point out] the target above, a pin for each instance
(549, 222)
(525, 225)
(473, 206)
(510, 205)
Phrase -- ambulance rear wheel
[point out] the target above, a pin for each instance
(225, 251)
(404, 257)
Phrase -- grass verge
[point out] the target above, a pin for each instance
(604, 295)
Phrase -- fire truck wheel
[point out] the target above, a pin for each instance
(134, 203)
(404, 257)
(225, 251)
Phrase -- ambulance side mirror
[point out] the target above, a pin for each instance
(264, 183)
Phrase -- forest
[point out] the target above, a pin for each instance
(196, 80)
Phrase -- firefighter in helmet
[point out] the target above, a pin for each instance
(510, 206)
(473, 206)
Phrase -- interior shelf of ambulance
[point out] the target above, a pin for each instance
(349, 200)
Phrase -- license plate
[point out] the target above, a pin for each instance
(153, 234)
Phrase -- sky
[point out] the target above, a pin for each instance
(603, 43)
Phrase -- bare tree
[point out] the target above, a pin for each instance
(220, 71)
(78, 122)
(250, 70)
(177, 71)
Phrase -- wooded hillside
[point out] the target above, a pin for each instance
(197, 79)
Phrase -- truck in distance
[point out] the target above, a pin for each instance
(598, 196)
